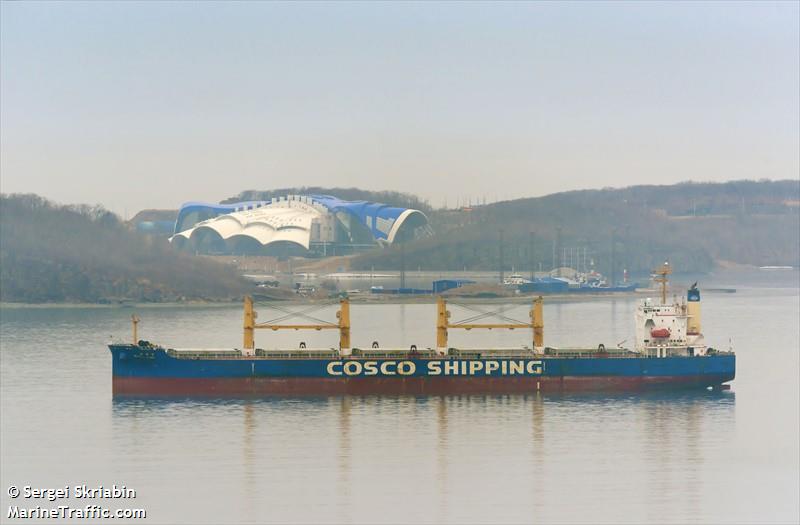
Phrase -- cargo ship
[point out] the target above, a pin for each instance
(669, 352)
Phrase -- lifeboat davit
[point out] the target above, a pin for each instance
(660, 332)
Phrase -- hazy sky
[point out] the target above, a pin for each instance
(149, 104)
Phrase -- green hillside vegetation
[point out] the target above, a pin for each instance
(694, 225)
(53, 253)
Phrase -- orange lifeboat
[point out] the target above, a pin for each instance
(659, 333)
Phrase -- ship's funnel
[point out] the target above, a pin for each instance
(693, 311)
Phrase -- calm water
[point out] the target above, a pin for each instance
(700, 458)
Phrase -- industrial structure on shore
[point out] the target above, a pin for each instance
(280, 227)
(297, 225)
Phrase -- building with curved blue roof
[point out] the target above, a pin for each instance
(295, 224)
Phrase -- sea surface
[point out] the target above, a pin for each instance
(702, 457)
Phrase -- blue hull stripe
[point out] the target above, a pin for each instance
(134, 362)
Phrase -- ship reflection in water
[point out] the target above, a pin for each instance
(439, 459)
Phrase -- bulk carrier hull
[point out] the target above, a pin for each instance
(154, 371)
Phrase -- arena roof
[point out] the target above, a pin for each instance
(298, 219)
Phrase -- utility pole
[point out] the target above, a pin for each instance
(585, 268)
(614, 257)
(532, 253)
(627, 247)
(500, 256)
(558, 251)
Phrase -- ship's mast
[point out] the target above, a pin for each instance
(662, 273)
(135, 322)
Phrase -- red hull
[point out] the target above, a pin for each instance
(229, 387)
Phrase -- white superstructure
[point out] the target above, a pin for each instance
(664, 330)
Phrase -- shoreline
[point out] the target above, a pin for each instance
(368, 299)
(381, 299)
(729, 284)
(193, 304)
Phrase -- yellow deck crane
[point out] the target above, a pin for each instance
(443, 324)
(250, 325)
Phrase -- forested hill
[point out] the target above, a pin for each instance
(53, 253)
(694, 225)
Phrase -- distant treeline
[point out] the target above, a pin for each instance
(54, 253)
(694, 225)
(392, 198)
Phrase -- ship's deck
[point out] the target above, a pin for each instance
(402, 353)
